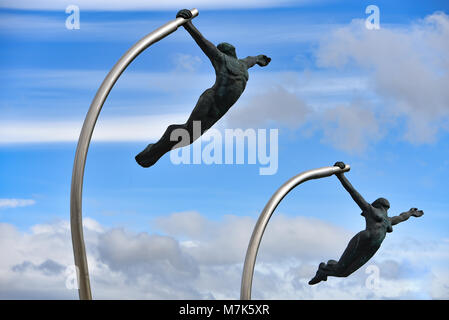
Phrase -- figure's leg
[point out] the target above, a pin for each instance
(340, 268)
(154, 151)
(203, 106)
(359, 251)
(324, 270)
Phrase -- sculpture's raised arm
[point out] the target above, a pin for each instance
(357, 197)
(208, 47)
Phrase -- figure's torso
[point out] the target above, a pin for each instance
(231, 78)
(378, 224)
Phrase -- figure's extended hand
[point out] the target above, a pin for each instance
(263, 60)
(415, 212)
(340, 164)
(184, 13)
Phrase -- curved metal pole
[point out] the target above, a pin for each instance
(83, 146)
(256, 237)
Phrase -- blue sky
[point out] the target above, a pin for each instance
(374, 99)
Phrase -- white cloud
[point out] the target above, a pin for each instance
(129, 265)
(14, 203)
(185, 224)
(142, 128)
(270, 98)
(187, 62)
(297, 102)
(350, 128)
(275, 105)
(108, 5)
(409, 66)
(163, 82)
(43, 26)
(232, 234)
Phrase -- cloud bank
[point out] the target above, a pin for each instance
(193, 257)
(142, 128)
(405, 74)
(409, 68)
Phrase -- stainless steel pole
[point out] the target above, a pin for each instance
(256, 237)
(79, 249)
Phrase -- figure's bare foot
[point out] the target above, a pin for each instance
(263, 60)
(319, 276)
(147, 157)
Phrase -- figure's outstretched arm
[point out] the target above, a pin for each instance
(261, 60)
(352, 191)
(405, 215)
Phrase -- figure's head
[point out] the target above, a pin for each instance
(381, 203)
(227, 49)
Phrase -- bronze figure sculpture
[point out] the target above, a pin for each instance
(366, 243)
(231, 77)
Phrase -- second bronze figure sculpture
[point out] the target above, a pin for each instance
(365, 243)
(231, 77)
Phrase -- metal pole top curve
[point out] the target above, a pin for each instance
(261, 224)
(84, 141)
